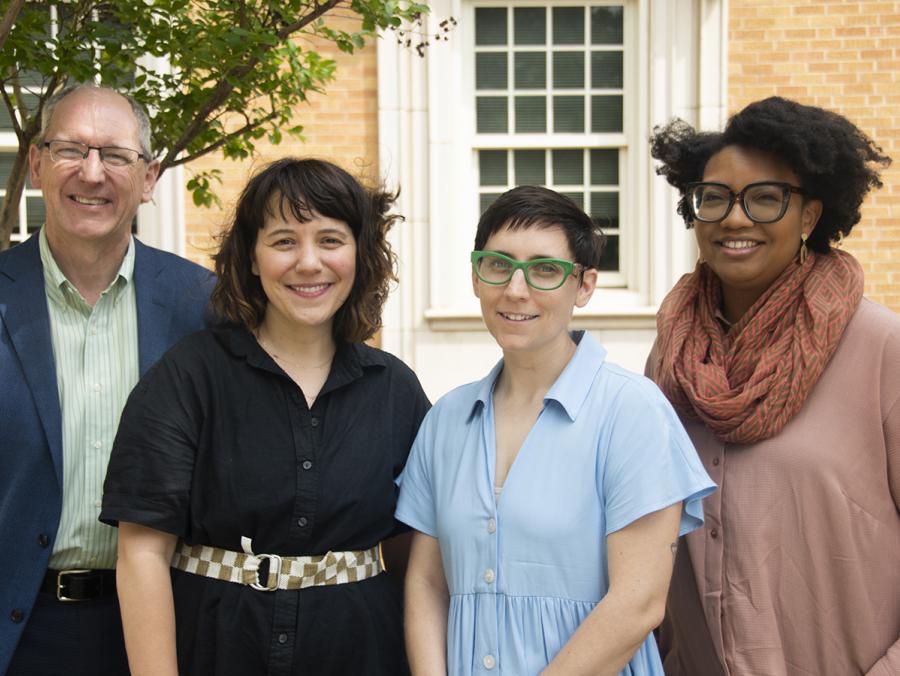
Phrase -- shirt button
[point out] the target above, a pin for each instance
(98, 503)
(314, 422)
(491, 525)
(489, 662)
(93, 330)
(43, 540)
(282, 638)
(714, 533)
(17, 615)
(98, 444)
(715, 462)
(302, 521)
(307, 464)
(489, 576)
(97, 387)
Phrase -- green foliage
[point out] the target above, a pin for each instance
(239, 68)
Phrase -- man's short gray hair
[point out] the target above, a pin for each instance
(140, 113)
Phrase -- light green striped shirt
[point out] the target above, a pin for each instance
(96, 354)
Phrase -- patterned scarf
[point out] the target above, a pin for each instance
(746, 384)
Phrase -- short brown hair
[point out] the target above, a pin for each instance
(304, 186)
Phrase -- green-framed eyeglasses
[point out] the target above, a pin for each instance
(543, 274)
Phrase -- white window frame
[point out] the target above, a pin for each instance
(677, 67)
(625, 277)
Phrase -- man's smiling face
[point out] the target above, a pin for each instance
(85, 199)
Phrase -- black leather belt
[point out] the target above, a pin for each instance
(79, 585)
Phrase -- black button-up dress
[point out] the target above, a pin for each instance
(217, 442)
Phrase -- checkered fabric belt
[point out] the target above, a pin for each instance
(285, 572)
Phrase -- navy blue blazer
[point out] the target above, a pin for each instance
(172, 297)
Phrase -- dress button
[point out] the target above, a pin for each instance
(491, 526)
(314, 422)
(282, 638)
(17, 615)
(716, 462)
(306, 464)
(43, 540)
(714, 533)
(489, 662)
(489, 576)
(302, 521)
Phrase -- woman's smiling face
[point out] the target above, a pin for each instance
(523, 319)
(746, 256)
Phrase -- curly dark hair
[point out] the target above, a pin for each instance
(530, 206)
(305, 186)
(835, 161)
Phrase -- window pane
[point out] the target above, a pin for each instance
(5, 121)
(568, 167)
(609, 259)
(606, 25)
(531, 70)
(577, 197)
(530, 25)
(490, 26)
(606, 70)
(6, 164)
(487, 200)
(605, 209)
(568, 114)
(490, 113)
(568, 70)
(35, 213)
(531, 114)
(604, 167)
(606, 113)
(492, 167)
(568, 26)
(530, 169)
(490, 71)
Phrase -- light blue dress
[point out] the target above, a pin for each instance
(524, 572)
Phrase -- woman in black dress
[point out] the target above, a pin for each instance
(259, 458)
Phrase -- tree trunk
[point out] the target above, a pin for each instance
(9, 214)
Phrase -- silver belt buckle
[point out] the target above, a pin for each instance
(59, 583)
(274, 565)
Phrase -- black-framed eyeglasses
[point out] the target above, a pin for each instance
(111, 156)
(543, 274)
(762, 202)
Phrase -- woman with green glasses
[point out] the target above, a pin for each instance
(546, 498)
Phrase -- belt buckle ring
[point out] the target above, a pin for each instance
(59, 583)
(274, 564)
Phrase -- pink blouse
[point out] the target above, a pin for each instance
(796, 571)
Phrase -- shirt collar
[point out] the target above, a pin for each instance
(350, 359)
(60, 289)
(571, 387)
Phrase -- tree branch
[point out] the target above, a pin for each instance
(224, 87)
(9, 18)
(218, 144)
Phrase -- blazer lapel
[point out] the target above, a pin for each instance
(154, 315)
(27, 320)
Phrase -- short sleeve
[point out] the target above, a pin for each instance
(150, 471)
(649, 462)
(415, 507)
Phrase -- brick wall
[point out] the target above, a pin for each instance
(340, 125)
(838, 54)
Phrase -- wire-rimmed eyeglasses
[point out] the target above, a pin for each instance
(73, 151)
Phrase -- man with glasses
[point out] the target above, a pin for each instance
(85, 309)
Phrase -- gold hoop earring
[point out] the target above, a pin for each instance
(804, 252)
